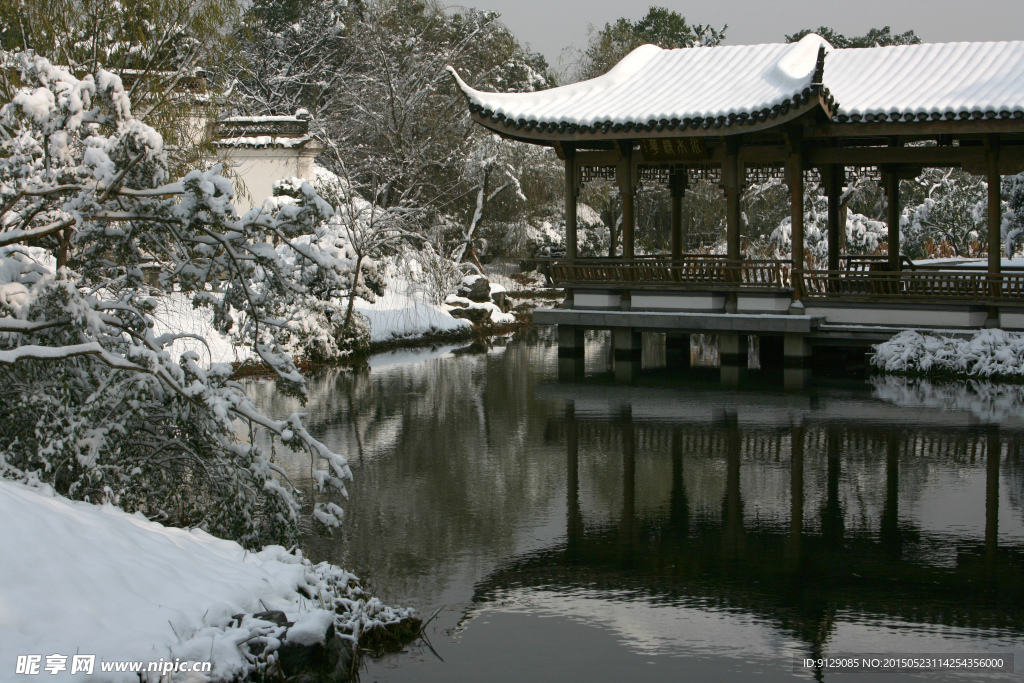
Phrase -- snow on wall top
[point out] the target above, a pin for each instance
(263, 131)
(651, 84)
(653, 88)
(262, 141)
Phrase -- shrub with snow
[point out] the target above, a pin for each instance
(989, 353)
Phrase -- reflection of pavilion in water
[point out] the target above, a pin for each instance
(798, 575)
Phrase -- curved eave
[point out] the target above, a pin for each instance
(545, 133)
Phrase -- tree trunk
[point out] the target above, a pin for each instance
(352, 294)
(63, 246)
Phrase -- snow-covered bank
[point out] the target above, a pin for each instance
(404, 312)
(86, 579)
(989, 354)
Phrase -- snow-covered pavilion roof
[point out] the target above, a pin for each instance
(929, 81)
(755, 86)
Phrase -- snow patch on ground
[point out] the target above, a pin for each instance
(89, 579)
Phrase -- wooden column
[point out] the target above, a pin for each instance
(995, 219)
(891, 181)
(834, 177)
(796, 208)
(627, 190)
(571, 193)
(677, 185)
(732, 183)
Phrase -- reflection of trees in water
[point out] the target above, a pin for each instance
(449, 456)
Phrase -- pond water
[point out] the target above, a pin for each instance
(671, 528)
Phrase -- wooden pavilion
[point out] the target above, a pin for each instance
(796, 111)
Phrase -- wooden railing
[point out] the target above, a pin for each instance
(860, 279)
(685, 273)
(964, 285)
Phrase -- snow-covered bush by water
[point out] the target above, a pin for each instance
(989, 353)
(92, 400)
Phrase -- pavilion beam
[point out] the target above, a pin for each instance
(677, 185)
(934, 156)
(995, 222)
(627, 191)
(1011, 156)
(891, 182)
(834, 177)
(597, 158)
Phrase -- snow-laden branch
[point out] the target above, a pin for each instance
(33, 352)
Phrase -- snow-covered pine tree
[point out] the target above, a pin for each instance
(92, 401)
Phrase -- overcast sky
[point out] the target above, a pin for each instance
(549, 26)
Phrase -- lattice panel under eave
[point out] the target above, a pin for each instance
(591, 173)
